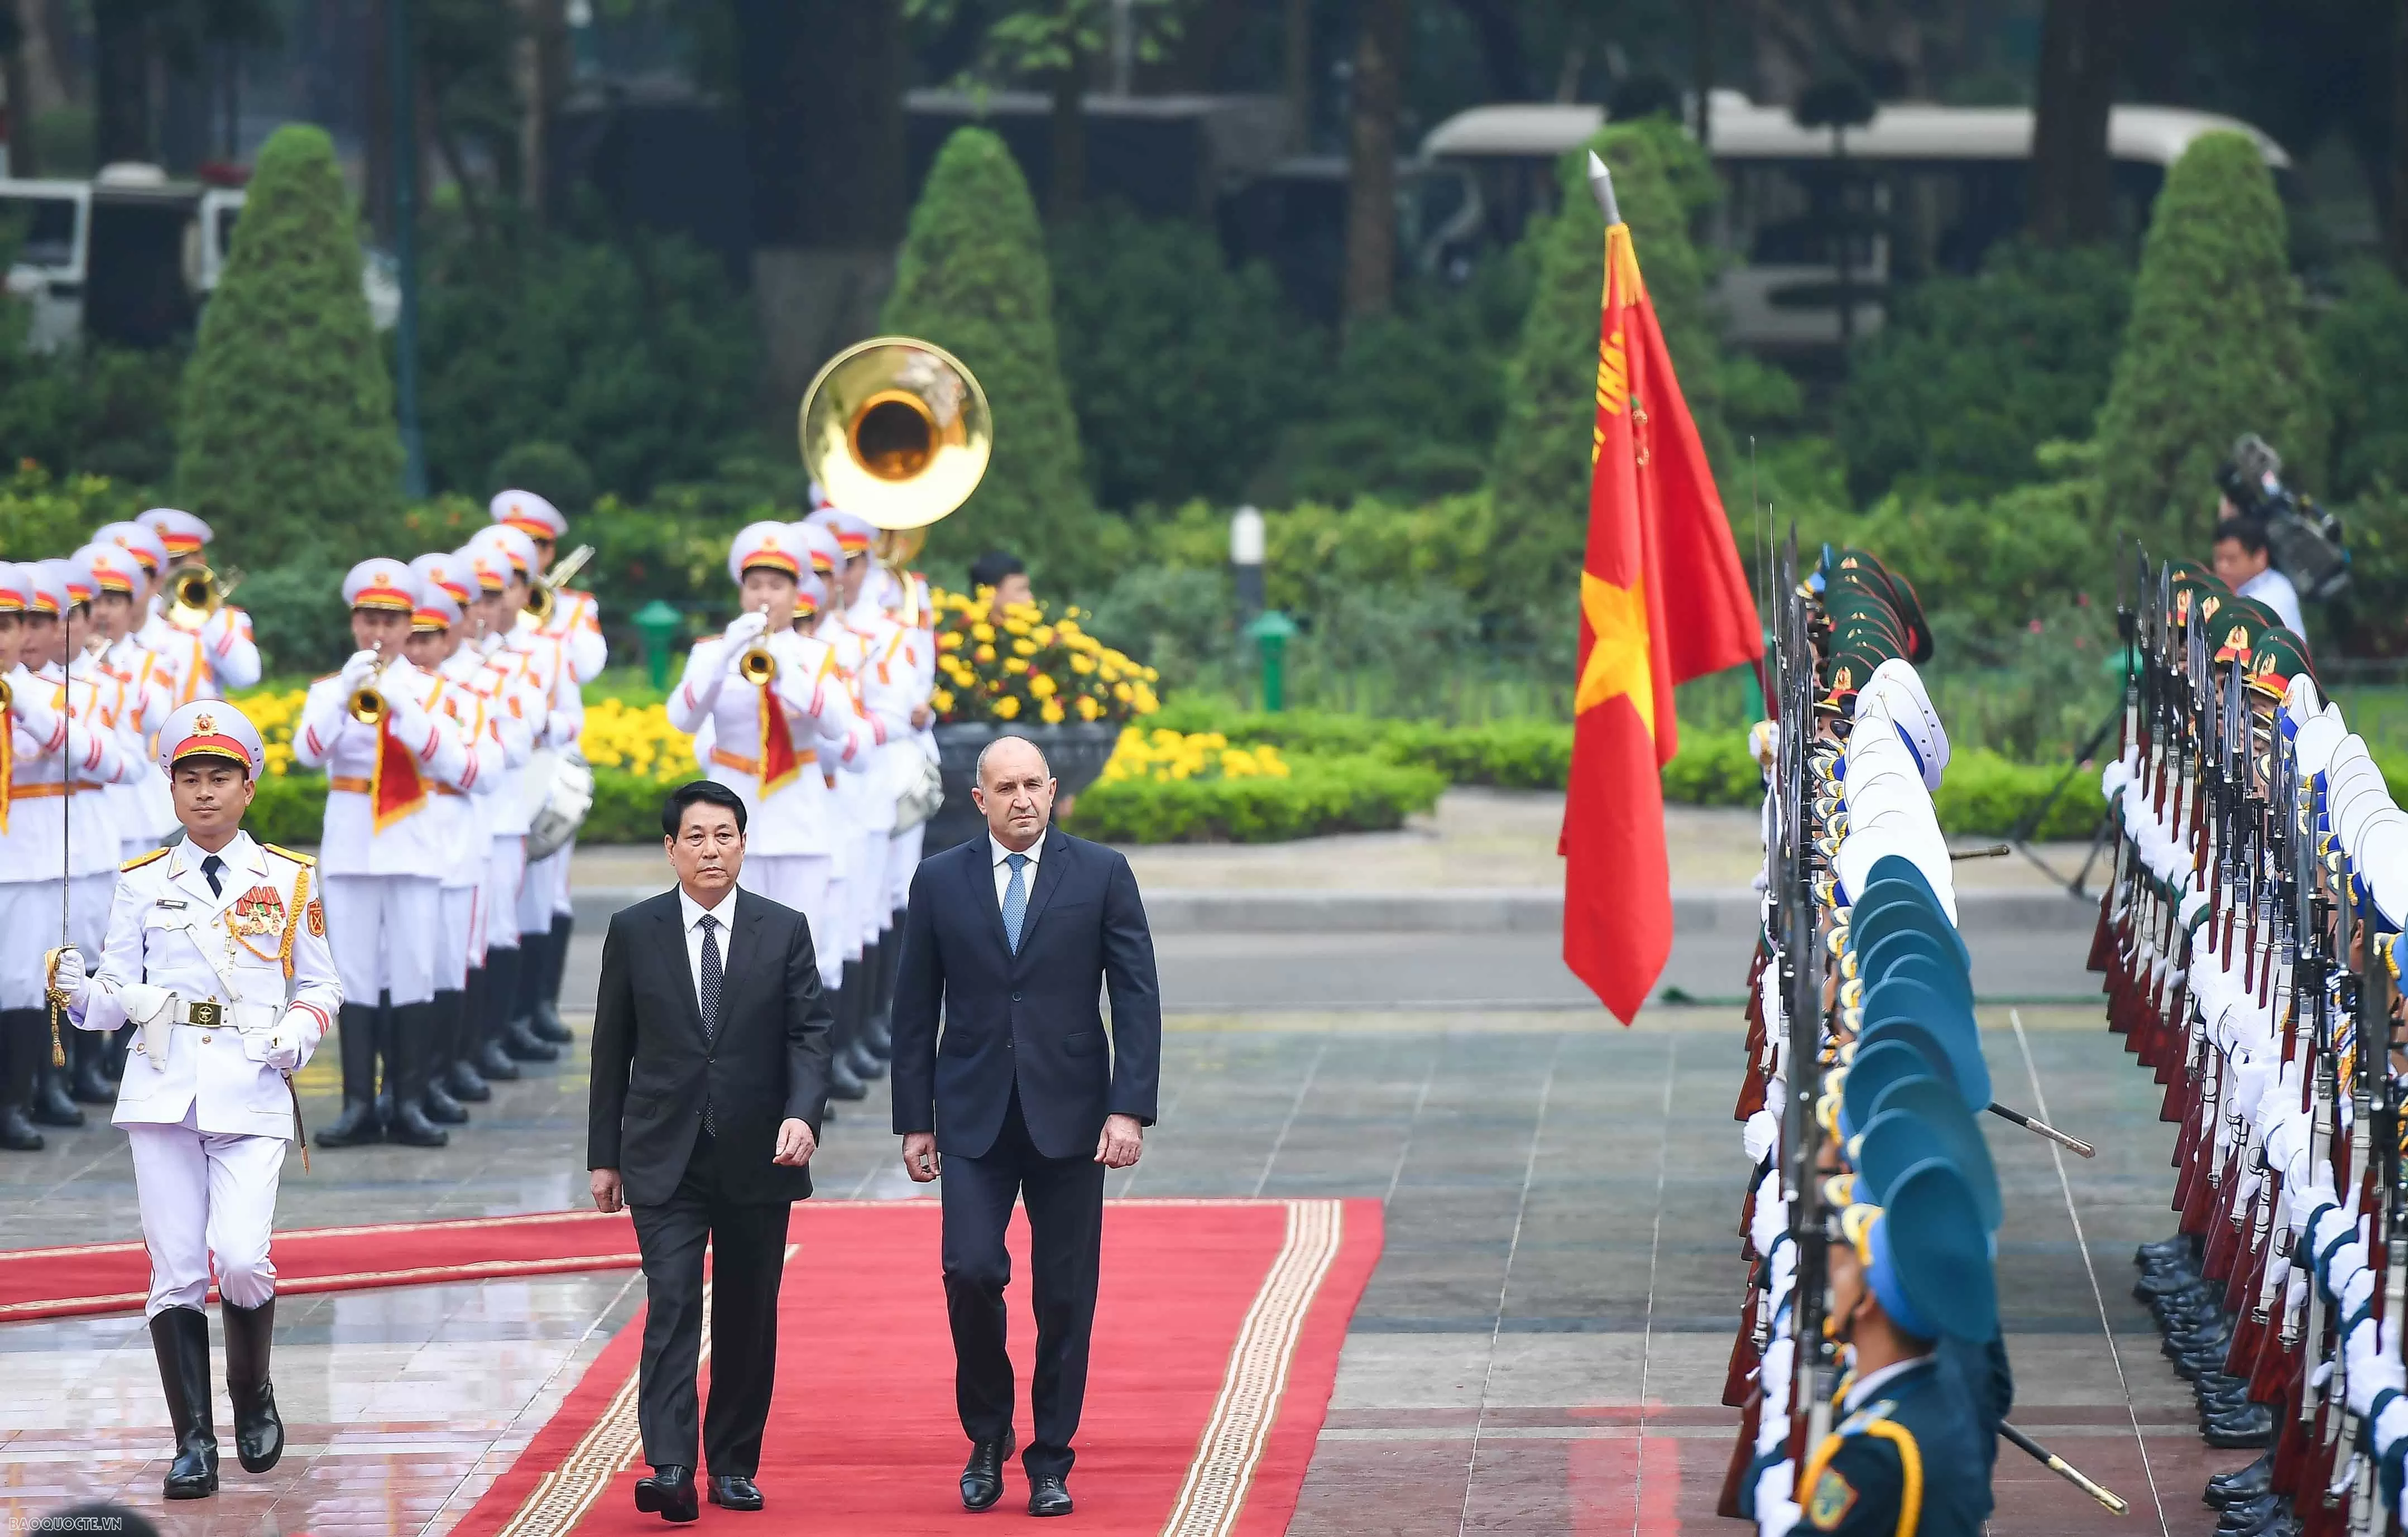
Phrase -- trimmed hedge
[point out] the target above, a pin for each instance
(1514, 755)
(1982, 795)
(1321, 794)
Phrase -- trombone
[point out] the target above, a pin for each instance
(196, 594)
(545, 598)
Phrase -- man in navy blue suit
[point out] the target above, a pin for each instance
(1012, 938)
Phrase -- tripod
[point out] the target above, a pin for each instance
(2021, 836)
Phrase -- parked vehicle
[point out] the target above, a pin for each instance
(1920, 189)
(130, 256)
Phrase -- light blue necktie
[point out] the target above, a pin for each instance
(1015, 899)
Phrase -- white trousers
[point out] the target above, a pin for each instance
(29, 926)
(561, 905)
(383, 929)
(801, 882)
(205, 1194)
(542, 891)
(868, 894)
(902, 858)
(456, 940)
(503, 874)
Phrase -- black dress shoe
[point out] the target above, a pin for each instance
(668, 1494)
(521, 1042)
(546, 1025)
(1047, 1495)
(982, 1476)
(2245, 1483)
(465, 1084)
(440, 1107)
(493, 1064)
(2164, 1249)
(17, 1133)
(843, 1083)
(51, 1105)
(734, 1491)
(2243, 1429)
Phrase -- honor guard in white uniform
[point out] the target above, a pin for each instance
(229, 655)
(543, 667)
(461, 825)
(217, 957)
(769, 714)
(385, 753)
(915, 667)
(181, 658)
(575, 624)
(514, 714)
(36, 734)
(870, 646)
(144, 693)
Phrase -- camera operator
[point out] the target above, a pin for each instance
(2247, 564)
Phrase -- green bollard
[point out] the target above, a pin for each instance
(1270, 631)
(659, 625)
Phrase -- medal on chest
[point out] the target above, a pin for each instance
(256, 914)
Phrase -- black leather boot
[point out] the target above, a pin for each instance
(258, 1431)
(355, 1034)
(493, 1064)
(435, 1056)
(844, 1082)
(867, 1066)
(50, 1105)
(20, 1071)
(502, 968)
(458, 1072)
(534, 967)
(87, 1054)
(413, 1030)
(179, 1336)
(2246, 1483)
(549, 1026)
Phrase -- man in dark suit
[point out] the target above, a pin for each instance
(1014, 936)
(710, 1070)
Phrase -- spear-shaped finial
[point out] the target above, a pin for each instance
(1601, 186)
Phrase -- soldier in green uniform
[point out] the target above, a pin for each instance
(1907, 1457)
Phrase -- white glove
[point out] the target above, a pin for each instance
(70, 979)
(744, 628)
(359, 670)
(283, 1055)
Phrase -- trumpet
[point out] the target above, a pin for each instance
(368, 706)
(544, 598)
(196, 593)
(756, 666)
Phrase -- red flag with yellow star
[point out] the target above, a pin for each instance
(1662, 599)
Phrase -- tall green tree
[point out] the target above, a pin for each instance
(286, 440)
(1540, 472)
(972, 278)
(2215, 347)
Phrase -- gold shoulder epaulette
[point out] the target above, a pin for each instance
(141, 859)
(296, 858)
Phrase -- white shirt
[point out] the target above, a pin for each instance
(2274, 590)
(1862, 1391)
(1003, 870)
(725, 913)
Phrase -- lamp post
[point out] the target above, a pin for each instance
(1246, 561)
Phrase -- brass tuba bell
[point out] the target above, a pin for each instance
(897, 431)
(194, 593)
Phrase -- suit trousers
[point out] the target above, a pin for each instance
(205, 1194)
(748, 1241)
(1066, 1221)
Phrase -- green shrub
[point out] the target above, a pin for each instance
(2361, 343)
(1524, 755)
(286, 440)
(42, 514)
(972, 278)
(1985, 796)
(1183, 371)
(1714, 769)
(2214, 347)
(634, 355)
(93, 410)
(553, 471)
(1969, 376)
(1320, 795)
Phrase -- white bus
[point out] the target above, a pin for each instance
(1929, 189)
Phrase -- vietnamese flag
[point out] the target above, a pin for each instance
(1662, 599)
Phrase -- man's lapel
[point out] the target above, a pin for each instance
(673, 933)
(741, 943)
(979, 870)
(1050, 875)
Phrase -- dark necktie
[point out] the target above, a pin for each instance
(709, 1008)
(209, 867)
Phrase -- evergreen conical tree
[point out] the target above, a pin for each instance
(286, 439)
(2214, 348)
(972, 278)
(1539, 476)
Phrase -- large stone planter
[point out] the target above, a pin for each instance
(1076, 751)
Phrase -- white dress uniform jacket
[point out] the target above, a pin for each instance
(723, 714)
(347, 749)
(231, 990)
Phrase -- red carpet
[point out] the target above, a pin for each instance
(116, 1277)
(1215, 1349)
